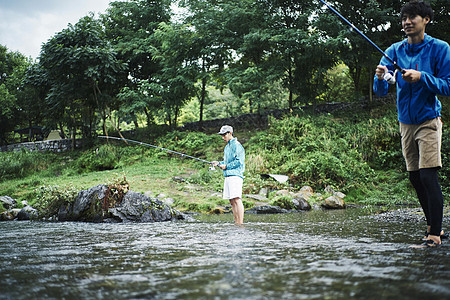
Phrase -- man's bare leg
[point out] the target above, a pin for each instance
(238, 210)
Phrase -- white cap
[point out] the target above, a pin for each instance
(225, 128)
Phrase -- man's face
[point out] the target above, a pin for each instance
(227, 136)
(414, 25)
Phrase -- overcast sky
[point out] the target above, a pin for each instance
(27, 24)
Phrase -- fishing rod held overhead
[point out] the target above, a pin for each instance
(364, 36)
(153, 146)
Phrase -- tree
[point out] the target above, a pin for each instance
(212, 54)
(82, 69)
(31, 95)
(12, 71)
(440, 26)
(175, 82)
(129, 26)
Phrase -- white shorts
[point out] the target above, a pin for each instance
(232, 187)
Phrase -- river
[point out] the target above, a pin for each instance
(319, 254)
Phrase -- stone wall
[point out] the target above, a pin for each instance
(50, 145)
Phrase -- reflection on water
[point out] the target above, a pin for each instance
(313, 255)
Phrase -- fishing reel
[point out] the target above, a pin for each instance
(389, 76)
(211, 168)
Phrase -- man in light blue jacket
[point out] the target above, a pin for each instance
(233, 166)
(426, 73)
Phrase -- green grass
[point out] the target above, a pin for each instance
(143, 172)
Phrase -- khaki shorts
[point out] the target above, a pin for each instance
(421, 144)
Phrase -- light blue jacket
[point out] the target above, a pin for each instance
(234, 159)
(417, 102)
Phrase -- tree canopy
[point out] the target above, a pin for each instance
(137, 64)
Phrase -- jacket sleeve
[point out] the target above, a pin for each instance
(239, 158)
(440, 83)
(381, 87)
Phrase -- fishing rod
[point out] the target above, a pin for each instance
(160, 148)
(364, 36)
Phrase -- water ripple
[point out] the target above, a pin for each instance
(317, 255)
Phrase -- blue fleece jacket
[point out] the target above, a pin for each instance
(234, 159)
(417, 102)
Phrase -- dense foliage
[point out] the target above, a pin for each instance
(140, 63)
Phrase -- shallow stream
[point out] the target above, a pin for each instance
(313, 255)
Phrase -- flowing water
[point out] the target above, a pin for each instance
(314, 255)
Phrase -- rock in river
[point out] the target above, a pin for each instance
(8, 202)
(136, 207)
(89, 206)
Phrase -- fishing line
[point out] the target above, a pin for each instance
(160, 148)
(364, 36)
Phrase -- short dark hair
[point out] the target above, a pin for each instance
(416, 7)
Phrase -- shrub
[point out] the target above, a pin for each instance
(248, 204)
(105, 157)
(255, 163)
(22, 163)
(283, 201)
(50, 198)
(315, 151)
(115, 193)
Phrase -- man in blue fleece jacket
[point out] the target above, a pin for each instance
(233, 166)
(426, 73)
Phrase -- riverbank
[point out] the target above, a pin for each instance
(356, 153)
(412, 214)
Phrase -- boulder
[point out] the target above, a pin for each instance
(328, 189)
(333, 202)
(85, 207)
(15, 212)
(27, 213)
(331, 191)
(6, 216)
(8, 202)
(264, 192)
(282, 193)
(340, 195)
(301, 204)
(134, 207)
(178, 179)
(169, 201)
(302, 195)
(307, 188)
